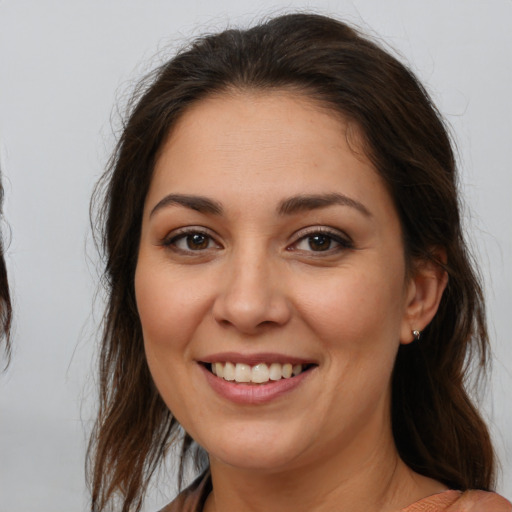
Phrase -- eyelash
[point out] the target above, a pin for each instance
(343, 242)
(183, 234)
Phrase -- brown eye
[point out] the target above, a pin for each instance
(319, 242)
(197, 241)
(322, 241)
(192, 241)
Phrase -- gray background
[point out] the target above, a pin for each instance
(64, 64)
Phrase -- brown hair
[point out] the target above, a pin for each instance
(437, 429)
(5, 298)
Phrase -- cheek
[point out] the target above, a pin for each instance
(357, 319)
(170, 306)
(362, 306)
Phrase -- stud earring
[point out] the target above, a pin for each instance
(417, 335)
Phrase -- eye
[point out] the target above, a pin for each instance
(318, 242)
(191, 241)
(322, 241)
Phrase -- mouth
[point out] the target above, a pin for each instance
(260, 373)
(255, 379)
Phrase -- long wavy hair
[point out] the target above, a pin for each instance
(438, 431)
(5, 298)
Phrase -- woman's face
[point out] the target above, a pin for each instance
(270, 247)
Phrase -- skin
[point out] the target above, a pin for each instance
(258, 283)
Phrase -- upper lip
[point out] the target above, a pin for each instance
(253, 359)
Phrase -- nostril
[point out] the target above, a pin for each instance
(251, 305)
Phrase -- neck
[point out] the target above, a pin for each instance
(366, 477)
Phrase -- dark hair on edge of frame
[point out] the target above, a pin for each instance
(5, 298)
(438, 431)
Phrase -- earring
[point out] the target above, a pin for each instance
(417, 335)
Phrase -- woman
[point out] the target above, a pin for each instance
(288, 283)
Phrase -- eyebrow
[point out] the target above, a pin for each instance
(301, 203)
(199, 203)
(290, 206)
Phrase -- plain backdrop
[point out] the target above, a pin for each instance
(64, 65)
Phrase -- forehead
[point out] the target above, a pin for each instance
(263, 120)
(263, 144)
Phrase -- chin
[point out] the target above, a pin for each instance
(257, 453)
(258, 460)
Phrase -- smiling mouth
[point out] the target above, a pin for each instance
(260, 373)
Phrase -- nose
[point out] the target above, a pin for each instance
(252, 297)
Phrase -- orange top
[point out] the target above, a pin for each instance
(456, 501)
(435, 503)
(193, 498)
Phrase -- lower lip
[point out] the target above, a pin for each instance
(253, 394)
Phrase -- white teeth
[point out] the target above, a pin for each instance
(219, 369)
(229, 371)
(242, 372)
(258, 374)
(287, 371)
(275, 371)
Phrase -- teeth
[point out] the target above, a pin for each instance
(219, 369)
(258, 374)
(275, 371)
(287, 371)
(243, 373)
(229, 371)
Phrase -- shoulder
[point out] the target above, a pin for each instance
(193, 497)
(456, 501)
(480, 501)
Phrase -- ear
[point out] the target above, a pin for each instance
(423, 295)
